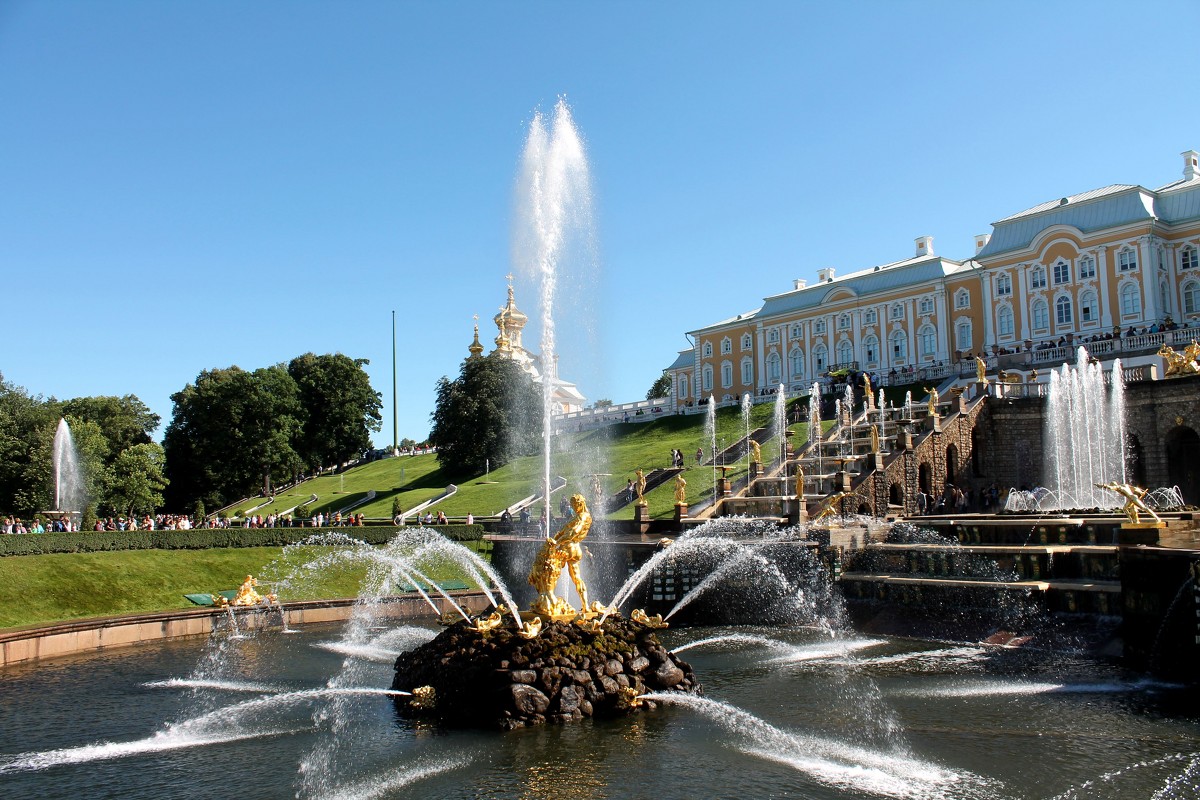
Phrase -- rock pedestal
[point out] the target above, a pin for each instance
(497, 679)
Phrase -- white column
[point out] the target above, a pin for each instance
(989, 331)
(944, 328)
(760, 379)
(914, 355)
(1022, 291)
(1102, 281)
(1149, 272)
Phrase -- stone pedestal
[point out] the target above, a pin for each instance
(1134, 533)
(723, 487)
(981, 388)
(755, 469)
(875, 461)
(681, 512)
(797, 511)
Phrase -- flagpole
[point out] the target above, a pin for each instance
(395, 401)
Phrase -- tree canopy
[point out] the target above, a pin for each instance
(340, 408)
(661, 387)
(489, 414)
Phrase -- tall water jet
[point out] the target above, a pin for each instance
(710, 436)
(779, 420)
(1085, 434)
(746, 406)
(554, 217)
(68, 478)
(814, 424)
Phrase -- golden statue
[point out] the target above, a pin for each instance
(1133, 499)
(680, 490)
(980, 370)
(756, 448)
(868, 392)
(874, 438)
(640, 617)
(640, 484)
(830, 509)
(933, 400)
(562, 550)
(1184, 363)
(799, 481)
(483, 625)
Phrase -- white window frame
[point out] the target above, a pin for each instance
(870, 348)
(1003, 285)
(870, 317)
(1062, 272)
(1127, 260)
(706, 378)
(1129, 296)
(897, 311)
(1087, 267)
(726, 374)
(1037, 277)
(747, 342)
(962, 299)
(1064, 312)
(1039, 314)
(963, 341)
(927, 336)
(1005, 321)
(844, 348)
(819, 327)
(707, 349)
(797, 359)
(898, 342)
(1089, 307)
(1191, 297)
(821, 358)
(726, 346)
(843, 322)
(774, 369)
(747, 372)
(1189, 258)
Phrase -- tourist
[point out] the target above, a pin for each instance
(470, 518)
(398, 519)
(441, 518)
(699, 455)
(629, 491)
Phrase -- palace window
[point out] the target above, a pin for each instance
(774, 369)
(928, 337)
(870, 348)
(1191, 298)
(1087, 267)
(843, 322)
(1037, 278)
(870, 317)
(1131, 300)
(683, 386)
(845, 352)
(726, 374)
(1127, 260)
(1089, 308)
(926, 305)
(962, 335)
(748, 370)
(1188, 258)
(747, 341)
(1062, 273)
(797, 359)
(773, 336)
(797, 331)
(1062, 311)
(1040, 315)
(1004, 320)
(708, 349)
(899, 347)
(962, 299)
(726, 346)
(707, 377)
(820, 359)
(1003, 285)
(897, 311)
(819, 326)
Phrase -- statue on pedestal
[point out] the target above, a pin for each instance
(563, 549)
(1133, 499)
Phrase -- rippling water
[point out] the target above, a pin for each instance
(786, 714)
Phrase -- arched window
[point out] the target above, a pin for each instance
(747, 372)
(870, 348)
(797, 359)
(747, 341)
(726, 346)
(774, 369)
(707, 377)
(1003, 285)
(962, 335)
(1004, 320)
(1037, 278)
(726, 374)
(1062, 311)
(1191, 297)
(820, 358)
(928, 337)
(899, 347)
(1089, 307)
(1041, 315)
(845, 352)
(708, 349)
(1131, 300)
(962, 299)
(1164, 298)
(682, 391)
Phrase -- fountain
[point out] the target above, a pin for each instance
(68, 476)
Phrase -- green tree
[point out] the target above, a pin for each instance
(490, 413)
(340, 408)
(26, 437)
(137, 479)
(231, 433)
(661, 387)
(124, 421)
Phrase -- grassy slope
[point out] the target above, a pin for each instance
(617, 450)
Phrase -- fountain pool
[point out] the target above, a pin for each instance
(787, 713)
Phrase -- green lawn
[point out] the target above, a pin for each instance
(613, 453)
(51, 588)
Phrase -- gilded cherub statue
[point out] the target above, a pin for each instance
(1133, 499)
(563, 549)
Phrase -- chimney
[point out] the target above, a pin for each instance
(1191, 164)
(825, 275)
(798, 284)
(924, 246)
(981, 241)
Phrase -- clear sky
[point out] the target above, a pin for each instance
(186, 186)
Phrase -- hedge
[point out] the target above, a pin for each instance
(30, 544)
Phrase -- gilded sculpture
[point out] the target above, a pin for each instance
(639, 483)
(799, 481)
(1133, 500)
(563, 549)
(933, 400)
(1185, 363)
(756, 448)
(868, 392)
(874, 438)
(680, 490)
(980, 370)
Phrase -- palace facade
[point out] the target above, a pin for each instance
(1104, 267)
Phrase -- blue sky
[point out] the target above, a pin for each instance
(186, 186)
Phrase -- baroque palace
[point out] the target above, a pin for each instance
(1109, 268)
